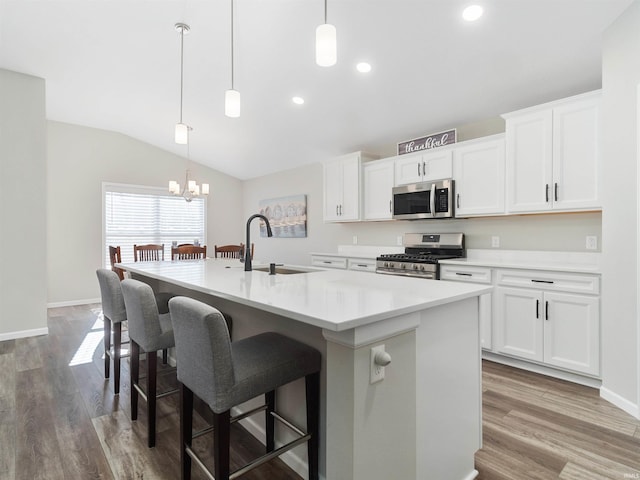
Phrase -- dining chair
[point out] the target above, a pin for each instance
(116, 257)
(148, 253)
(188, 252)
(229, 251)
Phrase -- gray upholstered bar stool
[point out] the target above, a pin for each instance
(149, 331)
(114, 314)
(224, 374)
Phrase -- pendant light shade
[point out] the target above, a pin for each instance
(182, 133)
(232, 103)
(326, 45)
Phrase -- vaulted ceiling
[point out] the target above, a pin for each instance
(115, 65)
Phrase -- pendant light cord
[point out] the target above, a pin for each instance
(232, 59)
(325, 11)
(181, 67)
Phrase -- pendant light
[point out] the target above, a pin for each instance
(326, 44)
(232, 96)
(182, 130)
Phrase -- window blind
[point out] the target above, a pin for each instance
(140, 215)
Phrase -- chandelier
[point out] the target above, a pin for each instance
(189, 189)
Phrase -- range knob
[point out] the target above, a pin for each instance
(403, 266)
(391, 265)
(385, 264)
(415, 266)
(422, 267)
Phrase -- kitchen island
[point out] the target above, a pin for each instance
(422, 421)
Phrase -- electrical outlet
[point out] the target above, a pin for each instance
(399, 240)
(379, 359)
(355, 239)
(495, 242)
(592, 242)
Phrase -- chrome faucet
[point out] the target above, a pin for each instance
(247, 246)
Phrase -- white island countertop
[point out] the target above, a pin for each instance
(335, 300)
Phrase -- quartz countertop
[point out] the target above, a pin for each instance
(332, 299)
(571, 262)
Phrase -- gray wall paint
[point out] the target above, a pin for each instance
(620, 80)
(23, 172)
(79, 160)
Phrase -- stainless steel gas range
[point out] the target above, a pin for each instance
(422, 251)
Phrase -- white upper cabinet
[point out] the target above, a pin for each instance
(424, 167)
(552, 156)
(342, 188)
(378, 184)
(478, 171)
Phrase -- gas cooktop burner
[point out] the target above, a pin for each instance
(414, 257)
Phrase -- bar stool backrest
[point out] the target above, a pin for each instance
(203, 349)
(142, 313)
(112, 299)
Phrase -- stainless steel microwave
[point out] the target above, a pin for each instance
(424, 200)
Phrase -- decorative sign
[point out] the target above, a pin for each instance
(426, 143)
(287, 216)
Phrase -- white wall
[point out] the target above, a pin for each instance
(23, 240)
(559, 232)
(620, 79)
(79, 160)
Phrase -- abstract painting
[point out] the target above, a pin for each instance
(287, 216)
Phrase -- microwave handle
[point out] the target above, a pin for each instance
(432, 200)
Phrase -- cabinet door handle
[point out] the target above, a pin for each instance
(546, 310)
(341, 209)
(424, 169)
(364, 265)
(464, 274)
(537, 308)
(541, 281)
(326, 261)
(337, 211)
(390, 209)
(457, 200)
(555, 191)
(546, 192)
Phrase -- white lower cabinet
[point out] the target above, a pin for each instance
(540, 321)
(473, 274)
(329, 262)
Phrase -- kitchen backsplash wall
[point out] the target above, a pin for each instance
(553, 232)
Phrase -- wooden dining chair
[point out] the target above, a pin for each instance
(116, 257)
(252, 246)
(229, 251)
(148, 253)
(188, 252)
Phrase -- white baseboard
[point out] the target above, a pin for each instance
(620, 402)
(73, 303)
(472, 475)
(293, 461)
(24, 333)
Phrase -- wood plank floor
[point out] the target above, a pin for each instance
(60, 420)
(536, 427)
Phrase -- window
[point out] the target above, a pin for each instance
(135, 215)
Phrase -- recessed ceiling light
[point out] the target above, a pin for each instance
(472, 13)
(363, 67)
(298, 100)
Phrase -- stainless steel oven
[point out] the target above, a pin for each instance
(421, 255)
(424, 200)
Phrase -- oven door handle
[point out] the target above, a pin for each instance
(432, 200)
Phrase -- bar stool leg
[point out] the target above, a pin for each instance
(312, 384)
(186, 429)
(221, 441)
(152, 366)
(117, 345)
(134, 369)
(107, 346)
(165, 356)
(270, 400)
